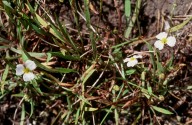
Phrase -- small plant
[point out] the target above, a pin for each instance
(26, 70)
(164, 39)
(132, 61)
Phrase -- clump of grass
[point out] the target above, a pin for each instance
(78, 80)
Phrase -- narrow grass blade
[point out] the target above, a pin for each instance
(32, 108)
(88, 73)
(7, 4)
(127, 9)
(133, 19)
(56, 70)
(66, 35)
(77, 116)
(169, 63)
(116, 117)
(162, 110)
(90, 109)
(22, 115)
(8, 9)
(41, 21)
(178, 27)
(33, 54)
(88, 17)
(93, 44)
(4, 77)
(104, 118)
(124, 43)
(130, 71)
(87, 13)
(66, 57)
(160, 67)
(52, 29)
(152, 57)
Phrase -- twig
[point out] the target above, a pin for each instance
(86, 21)
(188, 9)
(98, 78)
(14, 117)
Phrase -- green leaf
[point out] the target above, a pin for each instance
(189, 87)
(160, 67)
(56, 33)
(125, 92)
(7, 4)
(12, 85)
(66, 35)
(29, 7)
(57, 70)
(24, 57)
(36, 87)
(152, 57)
(130, 71)
(149, 90)
(37, 29)
(32, 108)
(18, 95)
(146, 93)
(133, 19)
(124, 43)
(169, 63)
(77, 116)
(84, 100)
(8, 10)
(64, 70)
(127, 9)
(87, 13)
(176, 28)
(88, 73)
(116, 116)
(41, 21)
(48, 57)
(90, 109)
(66, 57)
(108, 112)
(4, 77)
(22, 115)
(52, 29)
(33, 54)
(5, 73)
(162, 110)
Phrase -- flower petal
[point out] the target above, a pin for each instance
(171, 41)
(132, 63)
(137, 56)
(158, 44)
(19, 69)
(126, 60)
(161, 35)
(30, 65)
(28, 76)
(166, 25)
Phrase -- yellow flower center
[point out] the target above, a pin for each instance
(164, 40)
(132, 58)
(26, 70)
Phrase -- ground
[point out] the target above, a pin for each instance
(110, 24)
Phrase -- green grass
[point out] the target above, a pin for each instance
(76, 79)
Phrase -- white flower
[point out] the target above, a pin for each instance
(132, 61)
(163, 39)
(26, 70)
